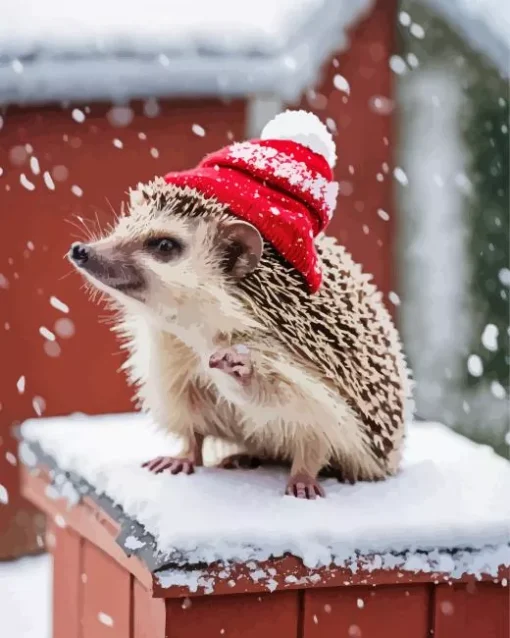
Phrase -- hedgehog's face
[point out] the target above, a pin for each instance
(169, 262)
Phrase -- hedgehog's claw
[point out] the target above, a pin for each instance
(171, 464)
(304, 486)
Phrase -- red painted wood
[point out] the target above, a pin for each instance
(365, 141)
(149, 614)
(36, 229)
(252, 616)
(66, 547)
(474, 610)
(106, 596)
(86, 520)
(367, 612)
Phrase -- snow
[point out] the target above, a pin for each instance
(304, 128)
(341, 84)
(105, 48)
(451, 493)
(283, 166)
(4, 495)
(25, 597)
(58, 304)
(484, 23)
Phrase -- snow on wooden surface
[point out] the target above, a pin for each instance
(25, 597)
(450, 494)
(69, 50)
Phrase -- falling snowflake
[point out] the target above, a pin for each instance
(78, 116)
(381, 104)
(397, 64)
(404, 18)
(105, 619)
(39, 405)
(65, 328)
(504, 276)
(60, 173)
(26, 183)
(400, 176)
(49, 181)
(120, 116)
(58, 304)
(394, 298)
(417, 30)
(490, 337)
(498, 390)
(47, 334)
(475, 365)
(20, 384)
(198, 130)
(151, 108)
(341, 84)
(34, 165)
(4, 495)
(11, 459)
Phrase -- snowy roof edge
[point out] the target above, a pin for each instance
(32, 455)
(285, 75)
(477, 31)
(176, 570)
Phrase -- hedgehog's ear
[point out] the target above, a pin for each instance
(242, 246)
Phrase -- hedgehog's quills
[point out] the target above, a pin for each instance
(327, 382)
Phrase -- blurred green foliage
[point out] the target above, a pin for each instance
(485, 122)
(487, 137)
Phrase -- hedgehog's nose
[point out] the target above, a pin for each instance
(79, 253)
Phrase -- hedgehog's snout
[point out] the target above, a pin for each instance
(79, 253)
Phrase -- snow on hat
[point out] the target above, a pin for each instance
(281, 183)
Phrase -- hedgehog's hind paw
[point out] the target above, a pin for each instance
(240, 462)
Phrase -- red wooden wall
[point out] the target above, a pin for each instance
(88, 175)
(94, 597)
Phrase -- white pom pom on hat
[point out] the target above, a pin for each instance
(304, 128)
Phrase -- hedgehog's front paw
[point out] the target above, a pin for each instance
(170, 464)
(234, 361)
(304, 486)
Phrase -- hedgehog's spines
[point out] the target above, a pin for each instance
(359, 352)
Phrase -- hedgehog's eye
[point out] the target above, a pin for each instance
(164, 247)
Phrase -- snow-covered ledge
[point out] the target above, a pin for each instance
(446, 512)
(116, 50)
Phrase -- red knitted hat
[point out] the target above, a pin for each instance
(281, 183)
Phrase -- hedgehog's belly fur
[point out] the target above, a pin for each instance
(311, 419)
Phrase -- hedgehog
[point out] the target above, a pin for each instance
(244, 321)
